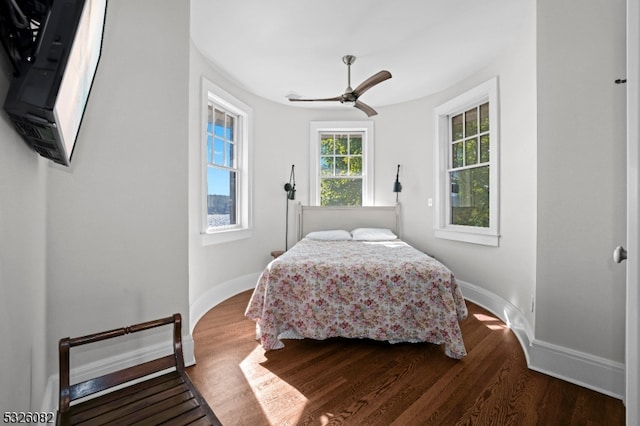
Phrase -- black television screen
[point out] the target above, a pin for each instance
(46, 101)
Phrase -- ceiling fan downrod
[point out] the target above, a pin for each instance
(348, 59)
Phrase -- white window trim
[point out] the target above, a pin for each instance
(224, 99)
(318, 127)
(490, 236)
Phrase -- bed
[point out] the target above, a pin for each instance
(349, 275)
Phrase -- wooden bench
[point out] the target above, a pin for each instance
(161, 391)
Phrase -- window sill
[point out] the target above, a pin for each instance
(486, 239)
(228, 235)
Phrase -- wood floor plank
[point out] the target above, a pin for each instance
(354, 382)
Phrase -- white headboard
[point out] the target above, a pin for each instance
(317, 218)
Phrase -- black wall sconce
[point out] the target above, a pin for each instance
(290, 189)
(397, 186)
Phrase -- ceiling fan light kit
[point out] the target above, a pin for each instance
(350, 96)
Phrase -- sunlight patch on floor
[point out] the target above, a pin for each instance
(325, 419)
(274, 395)
(491, 323)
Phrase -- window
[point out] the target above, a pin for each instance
(226, 212)
(467, 166)
(222, 169)
(341, 159)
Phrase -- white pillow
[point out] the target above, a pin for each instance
(373, 234)
(332, 235)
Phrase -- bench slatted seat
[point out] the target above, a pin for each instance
(151, 393)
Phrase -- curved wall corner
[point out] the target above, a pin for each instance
(595, 373)
(218, 294)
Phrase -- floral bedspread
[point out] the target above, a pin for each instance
(377, 290)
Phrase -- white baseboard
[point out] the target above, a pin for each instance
(595, 373)
(218, 294)
(114, 363)
(505, 310)
(589, 371)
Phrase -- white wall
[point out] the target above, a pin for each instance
(581, 175)
(117, 220)
(22, 271)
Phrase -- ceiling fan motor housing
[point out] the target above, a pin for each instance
(348, 98)
(348, 59)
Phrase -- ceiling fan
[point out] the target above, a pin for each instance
(350, 96)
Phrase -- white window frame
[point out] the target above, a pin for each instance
(487, 91)
(318, 127)
(244, 127)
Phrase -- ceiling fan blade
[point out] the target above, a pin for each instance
(337, 98)
(366, 108)
(371, 81)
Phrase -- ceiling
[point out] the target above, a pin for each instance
(295, 47)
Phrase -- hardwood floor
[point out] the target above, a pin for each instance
(362, 382)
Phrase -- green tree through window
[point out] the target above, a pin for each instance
(469, 173)
(341, 169)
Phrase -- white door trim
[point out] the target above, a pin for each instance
(632, 347)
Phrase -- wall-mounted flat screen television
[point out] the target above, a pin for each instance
(47, 98)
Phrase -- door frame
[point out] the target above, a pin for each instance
(632, 346)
